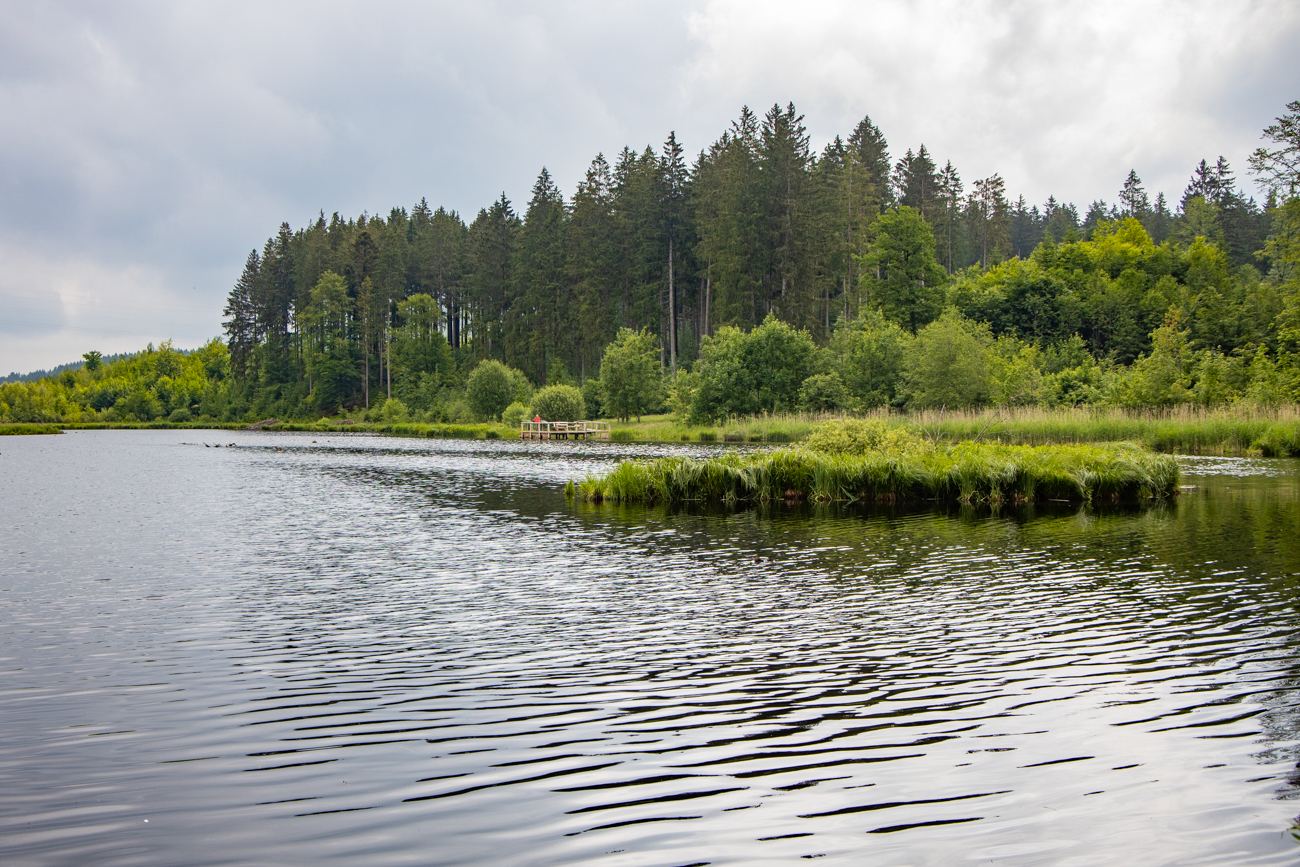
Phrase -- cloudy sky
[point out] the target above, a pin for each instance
(145, 148)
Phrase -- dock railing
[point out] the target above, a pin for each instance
(563, 430)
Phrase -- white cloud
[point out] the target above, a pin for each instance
(1059, 98)
(53, 309)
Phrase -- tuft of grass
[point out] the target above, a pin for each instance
(964, 473)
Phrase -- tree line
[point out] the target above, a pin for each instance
(846, 248)
(756, 225)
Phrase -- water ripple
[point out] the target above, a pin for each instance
(384, 651)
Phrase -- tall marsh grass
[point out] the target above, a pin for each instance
(1232, 430)
(22, 429)
(965, 473)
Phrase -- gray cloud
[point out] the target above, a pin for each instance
(148, 147)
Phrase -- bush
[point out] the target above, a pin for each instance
(394, 411)
(708, 436)
(742, 374)
(623, 435)
(947, 364)
(869, 356)
(559, 403)
(458, 412)
(823, 391)
(490, 389)
(513, 415)
(180, 415)
(860, 437)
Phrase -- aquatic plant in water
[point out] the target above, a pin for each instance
(892, 466)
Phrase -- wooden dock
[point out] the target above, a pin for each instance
(564, 430)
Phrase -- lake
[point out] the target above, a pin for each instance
(314, 648)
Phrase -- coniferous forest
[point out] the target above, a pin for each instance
(763, 276)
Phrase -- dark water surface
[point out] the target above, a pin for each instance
(383, 651)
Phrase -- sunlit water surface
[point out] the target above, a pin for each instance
(313, 649)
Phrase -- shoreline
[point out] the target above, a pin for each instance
(1182, 430)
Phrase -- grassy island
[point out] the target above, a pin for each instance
(864, 461)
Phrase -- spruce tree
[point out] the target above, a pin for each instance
(241, 325)
(1133, 198)
(541, 306)
(674, 179)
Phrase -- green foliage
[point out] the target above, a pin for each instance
(1279, 169)
(593, 398)
(559, 403)
(490, 389)
(27, 429)
(868, 355)
(557, 373)
(326, 325)
(514, 415)
(144, 387)
(630, 380)
(94, 361)
(745, 374)
(1159, 379)
(394, 411)
(900, 273)
(949, 364)
(862, 436)
(422, 357)
(822, 392)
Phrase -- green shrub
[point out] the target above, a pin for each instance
(559, 403)
(708, 436)
(490, 389)
(513, 415)
(622, 435)
(180, 415)
(394, 412)
(860, 436)
(823, 391)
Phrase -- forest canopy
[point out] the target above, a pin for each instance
(756, 276)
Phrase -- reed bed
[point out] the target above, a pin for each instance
(1233, 430)
(22, 429)
(1230, 430)
(967, 473)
